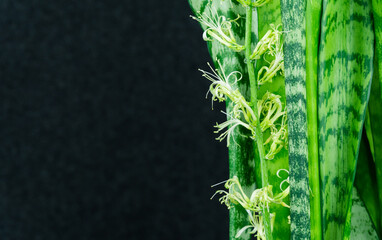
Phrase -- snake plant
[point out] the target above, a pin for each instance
(301, 81)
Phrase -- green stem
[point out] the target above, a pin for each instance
(313, 14)
(259, 134)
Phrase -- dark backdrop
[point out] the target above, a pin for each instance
(105, 129)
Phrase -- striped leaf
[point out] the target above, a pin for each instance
(345, 71)
(293, 18)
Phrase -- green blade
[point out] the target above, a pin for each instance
(345, 71)
(366, 184)
(313, 23)
(293, 18)
(374, 130)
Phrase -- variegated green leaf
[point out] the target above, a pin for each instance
(361, 226)
(293, 18)
(345, 71)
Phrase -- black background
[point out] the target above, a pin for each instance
(105, 129)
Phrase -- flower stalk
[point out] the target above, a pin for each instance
(258, 132)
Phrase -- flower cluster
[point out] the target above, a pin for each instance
(270, 111)
(270, 46)
(258, 202)
(270, 42)
(221, 89)
(219, 28)
(278, 139)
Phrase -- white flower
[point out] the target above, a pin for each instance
(254, 205)
(221, 89)
(219, 28)
(270, 45)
